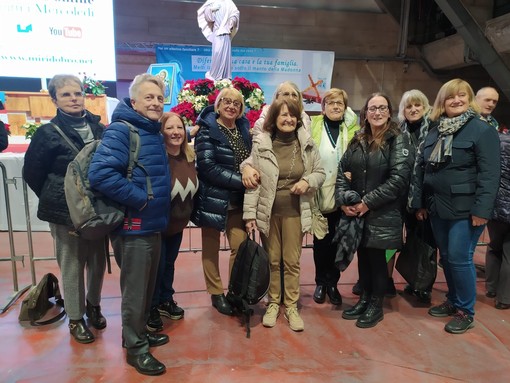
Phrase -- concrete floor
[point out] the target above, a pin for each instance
(407, 346)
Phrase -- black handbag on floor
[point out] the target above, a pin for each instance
(417, 261)
(37, 302)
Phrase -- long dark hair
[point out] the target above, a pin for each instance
(366, 134)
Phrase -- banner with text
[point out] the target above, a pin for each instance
(310, 70)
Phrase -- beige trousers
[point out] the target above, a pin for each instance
(236, 234)
(284, 244)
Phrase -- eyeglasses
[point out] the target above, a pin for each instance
(288, 94)
(381, 108)
(228, 101)
(335, 103)
(72, 95)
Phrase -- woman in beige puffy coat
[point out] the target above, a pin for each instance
(279, 207)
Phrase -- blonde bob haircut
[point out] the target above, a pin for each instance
(413, 96)
(278, 92)
(450, 89)
(185, 147)
(332, 93)
(140, 79)
(232, 93)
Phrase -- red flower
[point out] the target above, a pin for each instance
(186, 110)
(212, 96)
(253, 116)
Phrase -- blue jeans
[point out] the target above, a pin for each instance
(164, 291)
(454, 240)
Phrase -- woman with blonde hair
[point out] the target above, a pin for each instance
(222, 143)
(184, 185)
(455, 183)
(413, 114)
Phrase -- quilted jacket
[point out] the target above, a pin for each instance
(219, 182)
(258, 202)
(381, 178)
(502, 205)
(107, 172)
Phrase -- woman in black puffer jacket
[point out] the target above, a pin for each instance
(222, 143)
(497, 261)
(379, 161)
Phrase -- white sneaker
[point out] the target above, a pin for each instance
(272, 313)
(295, 321)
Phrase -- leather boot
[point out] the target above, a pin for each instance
(221, 304)
(359, 308)
(97, 320)
(373, 314)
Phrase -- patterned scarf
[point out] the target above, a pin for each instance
(442, 152)
(492, 121)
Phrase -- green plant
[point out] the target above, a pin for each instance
(30, 128)
(92, 86)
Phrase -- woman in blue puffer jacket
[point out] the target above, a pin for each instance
(222, 143)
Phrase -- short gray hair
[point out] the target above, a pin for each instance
(59, 81)
(140, 79)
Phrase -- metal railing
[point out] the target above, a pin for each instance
(14, 257)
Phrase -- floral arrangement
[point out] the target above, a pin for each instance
(30, 128)
(92, 86)
(195, 95)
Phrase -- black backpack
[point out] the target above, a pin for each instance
(249, 280)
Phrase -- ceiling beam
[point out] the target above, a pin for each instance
(474, 37)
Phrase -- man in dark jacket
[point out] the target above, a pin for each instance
(137, 243)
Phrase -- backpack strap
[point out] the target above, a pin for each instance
(64, 136)
(60, 302)
(134, 152)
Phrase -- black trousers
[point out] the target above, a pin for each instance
(324, 252)
(373, 270)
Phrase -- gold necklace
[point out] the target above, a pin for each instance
(292, 163)
(234, 132)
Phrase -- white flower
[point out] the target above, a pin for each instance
(224, 83)
(200, 103)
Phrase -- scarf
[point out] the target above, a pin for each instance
(442, 151)
(492, 121)
(348, 233)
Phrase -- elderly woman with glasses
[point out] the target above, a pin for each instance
(331, 131)
(379, 159)
(222, 143)
(45, 167)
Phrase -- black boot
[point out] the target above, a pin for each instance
(359, 308)
(97, 319)
(373, 314)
